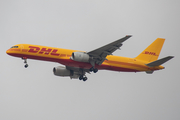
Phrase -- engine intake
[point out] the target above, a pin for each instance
(80, 57)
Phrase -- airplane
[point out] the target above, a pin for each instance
(78, 63)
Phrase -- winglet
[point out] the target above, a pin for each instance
(159, 62)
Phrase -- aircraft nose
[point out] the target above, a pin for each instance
(8, 51)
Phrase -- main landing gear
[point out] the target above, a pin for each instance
(84, 78)
(25, 61)
(95, 70)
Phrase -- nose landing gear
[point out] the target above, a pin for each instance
(25, 61)
(26, 65)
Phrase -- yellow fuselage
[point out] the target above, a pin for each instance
(62, 56)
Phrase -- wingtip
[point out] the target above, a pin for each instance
(171, 56)
(128, 35)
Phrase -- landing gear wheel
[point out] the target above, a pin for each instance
(95, 70)
(84, 78)
(80, 77)
(26, 66)
(91, 69)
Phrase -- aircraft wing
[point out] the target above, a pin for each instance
(99, 54)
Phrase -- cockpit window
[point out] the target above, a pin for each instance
(14, 47)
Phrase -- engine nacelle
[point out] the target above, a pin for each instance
(62, 71)
(80, 57)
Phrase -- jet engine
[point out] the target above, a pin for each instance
(80, 57)
(62, 71)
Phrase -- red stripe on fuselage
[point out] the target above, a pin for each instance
(69, 62)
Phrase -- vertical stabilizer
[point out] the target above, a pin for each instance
(151, 53)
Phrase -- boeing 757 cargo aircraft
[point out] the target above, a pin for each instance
(78, 63)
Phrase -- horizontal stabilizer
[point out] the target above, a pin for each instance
(159, 62)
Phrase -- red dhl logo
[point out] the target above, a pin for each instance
(150, 53)
(45, 51)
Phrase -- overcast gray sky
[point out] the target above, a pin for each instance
(36, 94)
